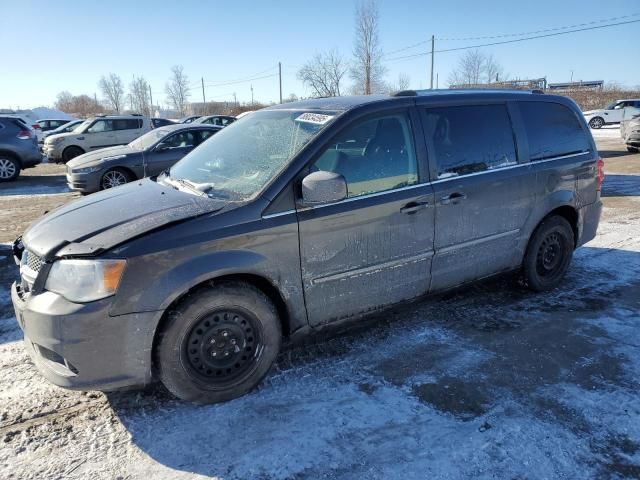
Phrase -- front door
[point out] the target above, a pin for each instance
(374, 248)
(168, 152)
(100, 135)
(483, 195)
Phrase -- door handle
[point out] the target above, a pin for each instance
(413, 207)
(454, 198)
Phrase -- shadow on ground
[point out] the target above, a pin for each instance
(491, 373)
(35, 185)
(621, 185)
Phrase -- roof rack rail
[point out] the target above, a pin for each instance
(405, 93)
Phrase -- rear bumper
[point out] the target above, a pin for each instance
(81, 347)
(588, 221)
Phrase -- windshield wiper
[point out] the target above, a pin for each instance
(185, 184)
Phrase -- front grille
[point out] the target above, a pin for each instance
(34, 262)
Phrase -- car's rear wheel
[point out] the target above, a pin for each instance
(9, 168)
(70, 153)
(114, 178)
(548, 254)
(596, 123)
(633, 149)
(218, 343)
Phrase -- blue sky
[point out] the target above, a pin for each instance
(49, 46)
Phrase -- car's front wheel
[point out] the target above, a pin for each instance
(9, 168)
(548, 254)
(218, 343)
(633, 149)
(114, 178)
(70, 153)
(596, 123)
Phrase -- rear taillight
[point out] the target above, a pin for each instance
(35, 126)
(600, 175)
(25, 134)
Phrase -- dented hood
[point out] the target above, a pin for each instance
(106, 219)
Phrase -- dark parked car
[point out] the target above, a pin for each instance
(298, 217)
(161, 122)
(221, 120)
(189, 119)
(49, 124)
(146, 156)
(70, 126)
(18, 148)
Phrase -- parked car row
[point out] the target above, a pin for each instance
(630, 129)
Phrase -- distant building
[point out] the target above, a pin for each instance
(596, 85)
(530, 84)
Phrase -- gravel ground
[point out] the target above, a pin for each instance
(490, 381)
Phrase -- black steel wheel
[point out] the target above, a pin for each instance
(548, 254)
(223, 346)
(218, 343)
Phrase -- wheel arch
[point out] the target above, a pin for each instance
(128, 170)
(569, 213)
(258, 281)
(10, 154)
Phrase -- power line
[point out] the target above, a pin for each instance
(421, 54)
(506, 35)
(240, 79)
(535, 32)
(207, 85)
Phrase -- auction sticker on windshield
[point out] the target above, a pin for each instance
(317, 118)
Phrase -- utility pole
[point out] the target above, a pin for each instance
(204, 101)
(235, 100)
(252, 94)
(433, 47)
(280, 79)
(151, 100)
(437, 81)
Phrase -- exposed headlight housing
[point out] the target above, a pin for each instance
(53, 140)
(114, 157)
(95, 168)
(82, 281)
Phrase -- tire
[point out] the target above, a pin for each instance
(548, 254)
(596, 123)
(633, 149)
(234, 322)
(9, 168)
(114, 178)
(70, 153)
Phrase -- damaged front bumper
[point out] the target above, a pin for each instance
(81, 347)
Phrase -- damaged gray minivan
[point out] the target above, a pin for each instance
(297, 217)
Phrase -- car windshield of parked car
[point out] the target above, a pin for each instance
(83, 126)
(241, 159)
(148, 139)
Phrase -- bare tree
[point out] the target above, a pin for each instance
(324, 73)
(402, 83)
(475, 68)
(139, 96)
(80, 105)
(177, 89)
(113, 91)
(367, 71)
(493, 71)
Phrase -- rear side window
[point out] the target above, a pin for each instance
(553, 130)
(127, 124)
(470, 139)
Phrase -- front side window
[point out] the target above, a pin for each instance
(553, 130)
(373, 156)
(241, 159)
(204, 134)
(179, 140)
(100, 126)
(470, 139)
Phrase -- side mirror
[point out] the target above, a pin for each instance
(323, 187)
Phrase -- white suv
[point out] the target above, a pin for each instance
(612, 113)
(95, 133)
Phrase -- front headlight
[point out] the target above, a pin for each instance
(55, 141)
(85, 280)
(86, 169)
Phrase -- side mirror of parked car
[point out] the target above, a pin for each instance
(323, 187)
